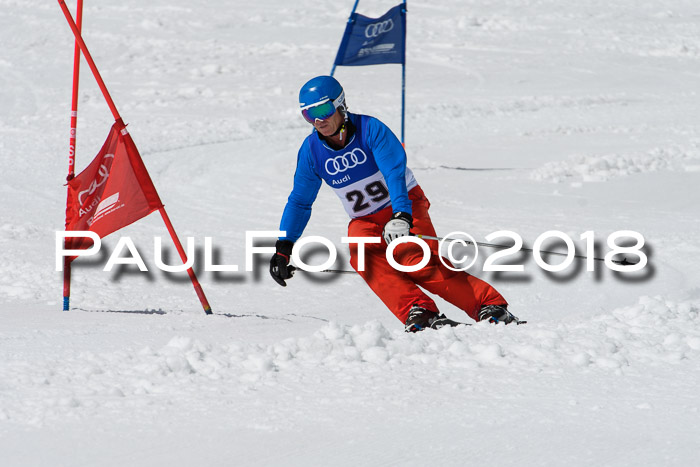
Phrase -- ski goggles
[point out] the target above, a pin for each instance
(322, 110)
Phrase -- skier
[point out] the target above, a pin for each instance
(365, 164)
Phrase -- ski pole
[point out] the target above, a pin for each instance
(624, 261)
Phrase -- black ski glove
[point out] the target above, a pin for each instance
(279, 263)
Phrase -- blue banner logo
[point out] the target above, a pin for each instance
(374, 41)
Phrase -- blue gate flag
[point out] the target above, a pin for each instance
(374, 41)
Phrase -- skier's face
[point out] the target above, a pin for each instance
(330, 125)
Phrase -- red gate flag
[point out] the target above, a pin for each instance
(114, 191)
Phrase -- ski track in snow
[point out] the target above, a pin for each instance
(634, 339)
(608, 167)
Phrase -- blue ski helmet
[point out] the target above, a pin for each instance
(320, 97)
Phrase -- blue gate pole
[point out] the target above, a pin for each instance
(403, 84)
(403, 104)
(349, 20)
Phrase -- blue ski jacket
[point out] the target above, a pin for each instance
(368, 174)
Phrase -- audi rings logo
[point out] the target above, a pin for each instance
(377, 29)
(103, 172)
(351, 159)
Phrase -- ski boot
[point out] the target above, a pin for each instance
(498, 314)
(419, 318)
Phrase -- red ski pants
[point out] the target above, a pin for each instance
(399, 290)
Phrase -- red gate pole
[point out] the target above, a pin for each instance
(71, 147)
(183, 256)
(91, 63)
(88, 58)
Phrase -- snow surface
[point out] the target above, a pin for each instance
(585, 115)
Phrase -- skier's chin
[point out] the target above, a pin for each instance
(325, 130)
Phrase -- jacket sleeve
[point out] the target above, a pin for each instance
(391, 160)
(297, 212)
